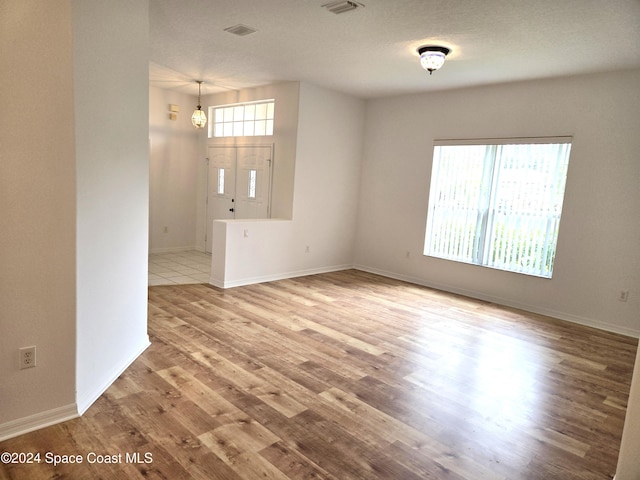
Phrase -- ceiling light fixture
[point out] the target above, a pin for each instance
(432, 57)
(199, 119)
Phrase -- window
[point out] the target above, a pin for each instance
(498, 204)
(220, 181)
(252, 184)
(250, 119)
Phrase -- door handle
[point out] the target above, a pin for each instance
(232, 210)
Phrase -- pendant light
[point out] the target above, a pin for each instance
(199, 119)
(432, 57)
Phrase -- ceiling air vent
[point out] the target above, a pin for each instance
(342, 7)
(240, 30)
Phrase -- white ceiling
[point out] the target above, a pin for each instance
(371, 52)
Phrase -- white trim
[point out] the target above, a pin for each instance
(173, 249)
(445, 142)
(588, 322)
(277, 276)
(89, 399)
(252, 102)
(213, 123)
(37, 421)
(54, 416)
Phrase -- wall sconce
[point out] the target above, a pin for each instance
(173, 111)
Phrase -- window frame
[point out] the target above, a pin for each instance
(481, 256)
(240, 119)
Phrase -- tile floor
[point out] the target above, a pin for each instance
(179, 268)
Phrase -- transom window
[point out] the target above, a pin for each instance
(497, 203)
(249, 119)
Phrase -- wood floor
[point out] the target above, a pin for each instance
(348, 375)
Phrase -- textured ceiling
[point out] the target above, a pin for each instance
(371, 52)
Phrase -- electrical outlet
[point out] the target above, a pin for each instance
(27, 357)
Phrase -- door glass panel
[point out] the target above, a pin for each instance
(252, 183)
(221, 181)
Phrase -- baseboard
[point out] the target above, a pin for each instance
(37, 421)
(40, 420)
(172, 249)
(276, 276)
(588, 322)
(87, 400)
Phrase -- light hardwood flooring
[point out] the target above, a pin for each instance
(349, 375)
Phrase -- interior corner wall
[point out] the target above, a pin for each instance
(111, 91)
(176, 157)
(597, 254)
(37, 213)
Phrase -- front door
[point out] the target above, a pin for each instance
(239, 184)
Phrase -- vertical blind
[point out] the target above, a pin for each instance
(498, 204)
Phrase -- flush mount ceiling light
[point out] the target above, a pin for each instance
(432, 57)
(199, 119)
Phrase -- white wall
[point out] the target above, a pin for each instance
(597, 254)
(37, 212)
(629, 460)
(253, 251)
(327, 176)
(74, 201)
(176, 156)
(328, 168)
(111, 82)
